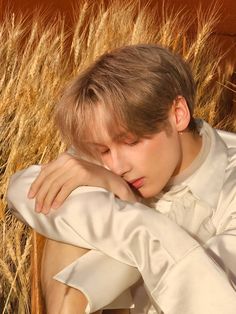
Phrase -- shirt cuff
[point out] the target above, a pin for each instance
(104, 281)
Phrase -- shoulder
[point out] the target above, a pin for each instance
(228, 137)
(226, 212)
(229, 179)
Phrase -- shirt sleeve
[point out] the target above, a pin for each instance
(179, 274)
(87, 272)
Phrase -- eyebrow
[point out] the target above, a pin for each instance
(119, 136)
(116, 137)
(97, 144)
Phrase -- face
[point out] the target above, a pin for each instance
(146, 163)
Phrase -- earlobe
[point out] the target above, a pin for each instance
(181, 113)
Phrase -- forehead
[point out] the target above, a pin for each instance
(104, 127)
(102, 135)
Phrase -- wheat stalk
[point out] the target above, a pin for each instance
(38, 58)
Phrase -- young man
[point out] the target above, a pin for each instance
(143, 146)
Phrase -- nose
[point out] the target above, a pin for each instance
(119, 164)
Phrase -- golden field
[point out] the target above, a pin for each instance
(38, 56)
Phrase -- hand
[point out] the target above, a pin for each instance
(60, 177)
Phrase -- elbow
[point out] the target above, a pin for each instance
(13, 189)
(18, 188)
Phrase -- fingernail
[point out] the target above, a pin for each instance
(38, 207)
(30, 194)
(55, 205)
(44, 210)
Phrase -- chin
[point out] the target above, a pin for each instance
(148, 193)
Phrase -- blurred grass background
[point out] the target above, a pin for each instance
(39, 55)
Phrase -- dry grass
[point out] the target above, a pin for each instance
(37, 58)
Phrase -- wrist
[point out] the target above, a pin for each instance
(123, 191)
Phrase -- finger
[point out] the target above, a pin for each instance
(49, 188)
(33, 189)
(35, 186)
(65, 180)
(46, 171)
(64, 183)
(44, 165)
(64, 192)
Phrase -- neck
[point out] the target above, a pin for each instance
(191, 144)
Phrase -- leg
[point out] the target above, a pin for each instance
(56, 256)
(119, 311)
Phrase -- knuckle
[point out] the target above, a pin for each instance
(39, 199)
(69, 162)
(54, 185)
(66, 186)
(59, 199)
(72, 162)
(63, 158)
(82, 171)
(47, 203)
(75, 165)
(41, 195)
(43, 173)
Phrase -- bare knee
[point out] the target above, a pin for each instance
(65, 300)
(60, 298)
(57, 256)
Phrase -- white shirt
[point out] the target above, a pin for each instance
(185, 250)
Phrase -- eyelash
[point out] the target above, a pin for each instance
(133, 143)
(130, 144)
(105, 152)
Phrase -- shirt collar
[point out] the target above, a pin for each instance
(206, 182)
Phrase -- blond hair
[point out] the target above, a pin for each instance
(135, 85)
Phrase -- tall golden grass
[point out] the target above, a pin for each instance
(39, 56)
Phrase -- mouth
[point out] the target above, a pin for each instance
(137, 183)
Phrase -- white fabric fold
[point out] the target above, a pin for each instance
(188, 211)
(137, 236)
(185, 248)
(76, 276)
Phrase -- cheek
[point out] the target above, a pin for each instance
(142, 157)
(146, 159)
(162, 158)
(171, 156)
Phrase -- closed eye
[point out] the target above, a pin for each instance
(104, 152)
(132, 143)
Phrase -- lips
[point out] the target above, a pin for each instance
(137, 183)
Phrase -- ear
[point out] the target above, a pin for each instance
(180, 114)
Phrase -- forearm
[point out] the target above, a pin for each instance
(52, 226)
(56, 180)
(174, 266)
